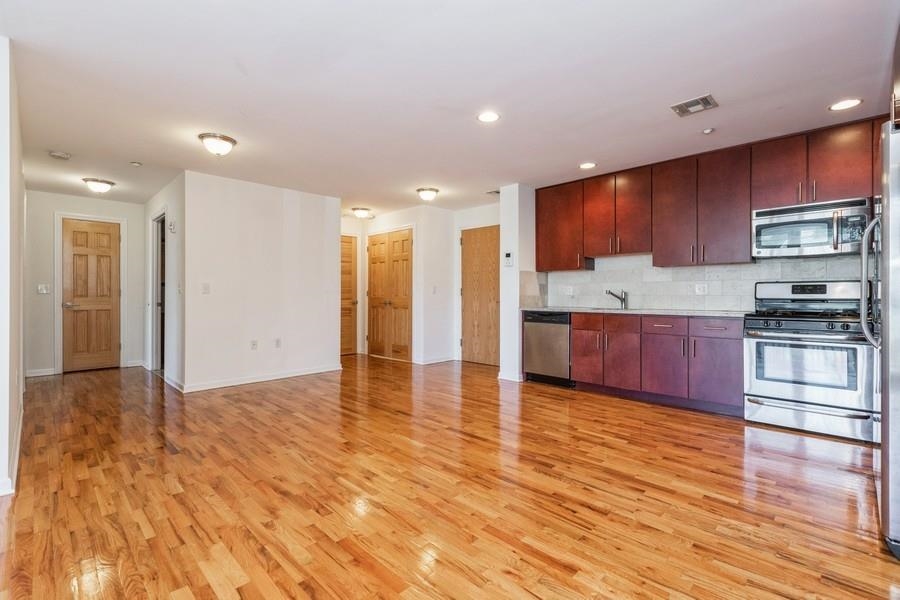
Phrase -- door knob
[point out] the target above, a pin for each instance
(69, 305)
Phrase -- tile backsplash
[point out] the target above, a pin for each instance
(727, 287)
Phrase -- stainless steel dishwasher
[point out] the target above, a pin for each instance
(546, 347)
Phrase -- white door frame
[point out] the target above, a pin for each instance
(156, 349)
(58, 217)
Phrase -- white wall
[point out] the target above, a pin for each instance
(12, 233)
(517, 237)
(470, 218)
(169, 200)
(270, 258)
(357, 228)
(433, 278)
(40, 260)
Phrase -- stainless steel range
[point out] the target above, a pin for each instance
(807, 362)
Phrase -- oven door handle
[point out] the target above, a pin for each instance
(837, 339)
(817, 411)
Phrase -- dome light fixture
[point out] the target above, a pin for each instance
(708, 130)
(845, 104)
(489, 116)
(427, 194)
(217, 143)
(98, 186)
(361, 213)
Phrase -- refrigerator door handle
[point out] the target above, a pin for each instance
(864, 282)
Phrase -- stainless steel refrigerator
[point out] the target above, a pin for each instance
(886, 315)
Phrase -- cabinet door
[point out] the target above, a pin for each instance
(675, 213)
(778, 172)
(717, 370)
(600, 215)
(559, 227)
(622, 360)
(723, 206)
(840, 162)
(587, 356)
(633, 208)
(664, 365)
(877, 167)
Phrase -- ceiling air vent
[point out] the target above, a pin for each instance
(694, 105)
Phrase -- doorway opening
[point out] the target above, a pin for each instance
(158, 364)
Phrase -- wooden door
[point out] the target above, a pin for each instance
(400, 294)
(379, 315)
(91, 295)
(349, 301)
(675, 213)
(664, 365)
(717, 370)
(840, 162)
(559, 227)
(723, 206)
(481, 295)
(600, 216)
(778, 172)
(633, 211)
(622, 352)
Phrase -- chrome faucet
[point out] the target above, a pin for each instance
(623, 298)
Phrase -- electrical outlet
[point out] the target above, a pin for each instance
(278, 342)
(254, 344)
(701, 289)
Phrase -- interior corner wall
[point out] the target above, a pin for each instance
(517, 236)
(432, 278)
(262, 264)
(470, 218)
(12, 236)
(171, 200)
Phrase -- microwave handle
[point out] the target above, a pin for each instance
(835, 223)
(864, 282)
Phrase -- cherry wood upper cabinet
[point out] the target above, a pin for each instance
(559, 227)
(633, 209)
(778, 172)
(877, 167)
(840, 162)
(675, 213)
(600, 215)
(723, 206)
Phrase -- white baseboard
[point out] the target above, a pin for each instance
(134, 363)
(510, 377)
(432, 361)
(8, 484)
(223, 383)
(175, 384)
(40, 372)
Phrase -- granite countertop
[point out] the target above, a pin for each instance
(645, 311)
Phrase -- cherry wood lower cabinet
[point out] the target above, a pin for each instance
(587, 348)
(717, 370)
(622, 352)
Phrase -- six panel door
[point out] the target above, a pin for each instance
(91, 295)
(840, 162)
(379, 316)
(400, 293)
(348, 295)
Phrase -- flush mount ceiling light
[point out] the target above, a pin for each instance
(98, 186)
(708, 130)
(845, 104)
(59, 155)
(361, 213)
(587, 165)
(217, 143)
(427, 194)
(136, 164)
(488, 116)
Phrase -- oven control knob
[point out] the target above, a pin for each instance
(765, 323)
(845, 326)
(778, 323)
(830, 326)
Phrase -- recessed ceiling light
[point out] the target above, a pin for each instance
(427, 194)
(708, 130)
(361, 213)
(98, 186)
(845, 104)
(217, 143)
(136, 163)
(58, 155)
(488, 116)
(587, 165)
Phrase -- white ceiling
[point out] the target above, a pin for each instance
(370, 100)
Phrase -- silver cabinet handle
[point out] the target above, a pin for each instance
(618, 244)
(578, 258)
(711, 328)
(69, 305)
(702, 252)
(610, 245)
(605, 342)
(834, 227)
(682, 346)
(799, 192)
(598, 340)
(792, 406)
(692, 254)
(814, 190)
(663, 325)
(694, 350)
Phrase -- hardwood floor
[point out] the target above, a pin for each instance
(392, 480)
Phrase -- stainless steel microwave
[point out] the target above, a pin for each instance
(816, 229)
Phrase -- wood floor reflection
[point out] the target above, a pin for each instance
(390, 480)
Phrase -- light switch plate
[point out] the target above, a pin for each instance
(701, 289)
(43, 288)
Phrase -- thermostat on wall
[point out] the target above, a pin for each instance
(507, 259)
